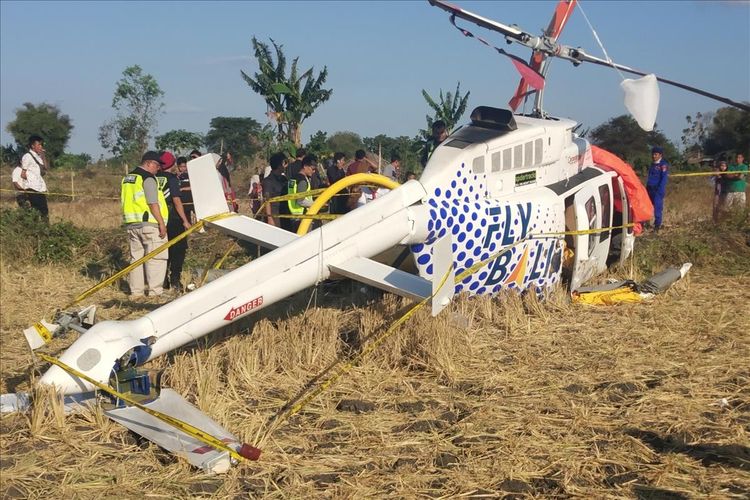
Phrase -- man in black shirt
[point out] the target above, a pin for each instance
(335, 173)
(177, 222)
(294, 167)
(275, 184)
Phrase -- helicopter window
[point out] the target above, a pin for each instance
(496, 161)
(606, 222)
(528, 154)
(457, 143)
(507, 159)
(518, 156)
(478, 165)
(538, 151)
(591, 214)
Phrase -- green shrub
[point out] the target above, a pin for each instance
(25, 235)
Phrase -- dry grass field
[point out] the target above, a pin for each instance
(507, 397)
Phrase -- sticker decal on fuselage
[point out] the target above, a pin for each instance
(238, 311)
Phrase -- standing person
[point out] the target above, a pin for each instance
(301, 184)
(145, 213)
(439, 134)
(226, 183)
(410, 176)
(256, 194)
(719, 181)
(195, 154)
(656, 184)
(294, 167)
(275, 184)
(360, 165)
(186, 193)
(33, 170)
(736, 184)
(318, 181)
(393, 169)
(19, 184)
(177, 221)
(335, 173)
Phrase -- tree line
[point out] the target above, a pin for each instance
(292, 95)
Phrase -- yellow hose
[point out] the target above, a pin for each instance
(349, 180)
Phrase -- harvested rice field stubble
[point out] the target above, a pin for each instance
(493, 398)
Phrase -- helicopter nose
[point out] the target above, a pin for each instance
(94, 354)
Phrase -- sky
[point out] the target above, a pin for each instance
(379, 55)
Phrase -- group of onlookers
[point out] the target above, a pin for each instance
(304, 175)
(729, 187)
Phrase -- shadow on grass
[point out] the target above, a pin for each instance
(731, 455)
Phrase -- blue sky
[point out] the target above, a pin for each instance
(379, 56)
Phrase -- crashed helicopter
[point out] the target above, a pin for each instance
(506, 202)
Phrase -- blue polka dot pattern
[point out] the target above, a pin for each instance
(480, 227)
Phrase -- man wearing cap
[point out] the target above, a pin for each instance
(144, 213)
(656, 184)
(177, 221)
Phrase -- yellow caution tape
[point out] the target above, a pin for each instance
(148, 256)
(185, 427)
(69, 195)
(308, 216)
(43, 332)
(697, 174)
(345, 367)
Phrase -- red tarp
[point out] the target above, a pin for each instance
(641, 208)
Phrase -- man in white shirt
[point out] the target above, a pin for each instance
(33, 169)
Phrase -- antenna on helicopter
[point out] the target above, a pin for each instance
(546, 46)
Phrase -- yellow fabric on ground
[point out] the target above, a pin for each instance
(620, 295)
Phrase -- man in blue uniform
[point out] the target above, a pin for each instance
(656, 184)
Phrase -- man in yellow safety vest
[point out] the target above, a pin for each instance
(145, 213)
(300, 183)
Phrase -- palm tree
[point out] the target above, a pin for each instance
(290, 99)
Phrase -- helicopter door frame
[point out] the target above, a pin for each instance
(592, 249)
(628, 237)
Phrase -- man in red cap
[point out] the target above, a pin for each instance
(177, 222)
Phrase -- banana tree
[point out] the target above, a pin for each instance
(290, 99)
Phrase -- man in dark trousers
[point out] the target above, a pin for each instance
(33, 170)
(335, 173)
(177, 221)
(656, 184)
(275, 185)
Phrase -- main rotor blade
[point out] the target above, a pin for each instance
(584, 57)
(506, 30)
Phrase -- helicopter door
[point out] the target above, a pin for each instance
(628, 238)
(593, 210)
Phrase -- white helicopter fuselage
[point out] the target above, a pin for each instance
(516, 186)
